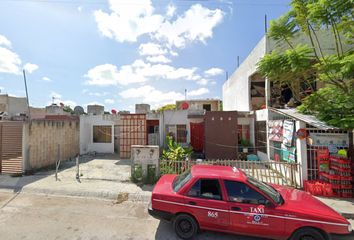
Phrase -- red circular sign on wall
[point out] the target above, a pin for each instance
(185, 105)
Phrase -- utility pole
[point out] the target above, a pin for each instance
(24, 78)
(185, 94)
(265, 24)
(238, 61)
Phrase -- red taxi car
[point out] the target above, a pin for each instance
(225, 199)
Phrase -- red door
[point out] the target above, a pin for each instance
(197, 136)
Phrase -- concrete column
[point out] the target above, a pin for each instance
(301, 152)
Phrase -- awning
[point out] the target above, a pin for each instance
(309, 119)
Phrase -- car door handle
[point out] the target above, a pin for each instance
(235, 208)
(192, 203)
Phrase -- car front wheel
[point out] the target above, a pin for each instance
(185, 226)
(307, 234)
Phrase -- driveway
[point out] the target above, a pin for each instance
(103, 176)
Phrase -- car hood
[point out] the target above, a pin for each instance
(302, 203)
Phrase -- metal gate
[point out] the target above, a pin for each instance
(11, 147)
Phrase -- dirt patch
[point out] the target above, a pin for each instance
(122, 197)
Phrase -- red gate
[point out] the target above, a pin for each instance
(197, 136)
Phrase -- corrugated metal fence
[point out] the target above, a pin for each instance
(11, 147)
(282, 173)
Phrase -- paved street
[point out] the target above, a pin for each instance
(28, 216)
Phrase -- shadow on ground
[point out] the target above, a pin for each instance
(165, 232)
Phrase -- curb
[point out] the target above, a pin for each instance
(119, 197)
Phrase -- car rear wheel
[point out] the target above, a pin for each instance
(307, 234)
(185, 226)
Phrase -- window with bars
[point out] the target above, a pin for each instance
(181, 133)
(102, 134)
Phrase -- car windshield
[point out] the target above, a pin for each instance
(181, 180)
(266, 189)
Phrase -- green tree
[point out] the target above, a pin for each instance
(68, 109)
(301, 65)
(167, 107)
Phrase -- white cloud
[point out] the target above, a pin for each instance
(46, 79)
(198, 92)
(196, 24)
(173, 53)
(128, 20)
(150, 95)
(98, 94)
(79, 8)
(158, 59)
(109, 101)
(30, 67)
(203, 81)
(4, 41)
(137, 72)
(214, 72)
(171, 10)
(9, 61)
(151, 49)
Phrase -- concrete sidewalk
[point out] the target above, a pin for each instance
(345, 206)
(106, 177)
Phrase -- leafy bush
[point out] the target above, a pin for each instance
(175, 151)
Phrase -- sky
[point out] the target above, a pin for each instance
(118, 53)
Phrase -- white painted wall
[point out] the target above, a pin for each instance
(86, 134)
(236, 90)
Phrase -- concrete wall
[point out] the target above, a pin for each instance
(198, 104)
(13, 105)
(95, 109)
(142, 108)
(44, 141)
(86, 133)
(236, 90)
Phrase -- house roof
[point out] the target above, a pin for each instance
(309, 119)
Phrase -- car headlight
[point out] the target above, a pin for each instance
(350, 229)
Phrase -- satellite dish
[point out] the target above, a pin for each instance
(185, 105)
(78, 110)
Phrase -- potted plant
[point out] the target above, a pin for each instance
(245, 145)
